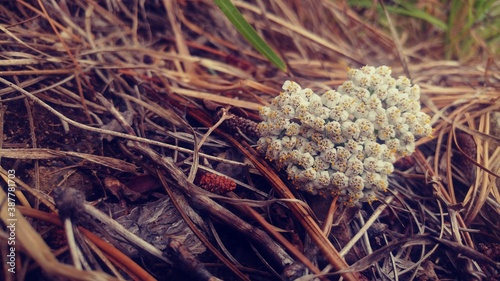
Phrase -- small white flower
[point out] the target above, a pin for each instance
(302, 110)
(386, 168)
(382, 184)
(353, 146)
(263, 128)
(273, 115)
(295, 155)
(392, 144)
(291, 86)
(346, 102)
(403, 96)
(374, 103)
(330, 98)
(355, 197)
(407, 149)
(301, 143)
(293, 129)
(368, 70)
(360, 110)
(329, 155)
(283, 99)
(264, 111)
(381, 92)
(315, 103)
(407, 143)
(404, 104)
(428, 130)
(339, 113)
(288, 111)
(320, 164)
(284, 157)
(351, 73)
(360, 156)
(407, 138)
(350, 130)
(386, 132)
(414, 106)
(354, 167)
(400, 127)
(410, 118)
(390, 82)
(362, 94)
(272, 154)
(276, 144)
(307, 119)
(414, 93)
(360, 79)
(325, 144)
(339, 180)
(340, 166)
(296, 100)
(293, 172)
(343, 154)
(262, 145)
(372, 149)
(323, 112)
(424, 118)
(346, 88)
(371, 179)
(280, 124)
(377, 81)
(323, 178)
(306, 93)
(403, 82)
(370, 164)
(356, 183)
(307, 132)
(393, 113)
(309, 147)
(289, 142)
(308, 174)
(417, 129)
(393, 97)
(388, 155)
(369, 196)
(305, 160)
(383, 71)
(317, 136)
(318, 124)
(338, 139)
(269, 129)
(378, 118)
(365, 127)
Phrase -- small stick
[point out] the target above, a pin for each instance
(73, 248)
(365, 227)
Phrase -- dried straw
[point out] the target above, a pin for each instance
(160, 61)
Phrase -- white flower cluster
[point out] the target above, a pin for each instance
(344, 142)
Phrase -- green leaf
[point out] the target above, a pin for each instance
(249, 33)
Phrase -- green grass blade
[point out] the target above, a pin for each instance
(403, 8)
(249, 33)
(413, 11)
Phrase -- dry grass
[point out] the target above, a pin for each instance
(162, 64)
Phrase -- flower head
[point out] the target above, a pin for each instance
(344, 141)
